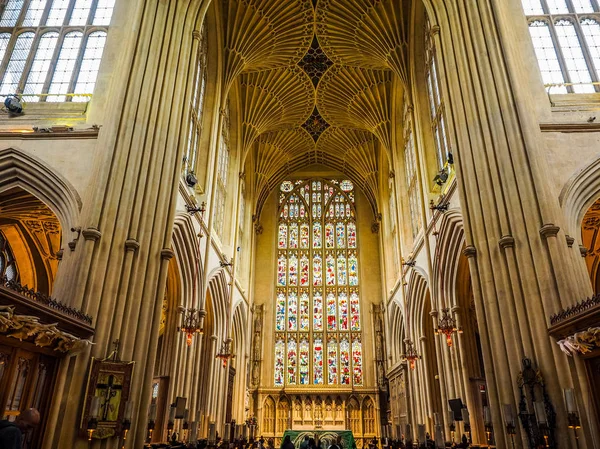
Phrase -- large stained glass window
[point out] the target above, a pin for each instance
(317, 304)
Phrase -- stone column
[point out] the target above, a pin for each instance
(129, 211)
(496, 139)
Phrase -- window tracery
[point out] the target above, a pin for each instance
(51, 50)
(566, 40)
(317, 305)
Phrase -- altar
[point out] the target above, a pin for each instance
(327, 437)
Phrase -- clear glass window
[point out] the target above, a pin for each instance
(566, 43)
(54, 62)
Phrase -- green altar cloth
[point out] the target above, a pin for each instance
(327, 437)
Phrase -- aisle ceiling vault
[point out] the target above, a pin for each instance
(315, 82)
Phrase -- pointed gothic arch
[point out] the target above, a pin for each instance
(25, 171)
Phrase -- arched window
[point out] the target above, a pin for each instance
(436, 100)
(222, 175)
(51, 50)
(317, 305)
(566, 39)
(197, 103)
(8, 265)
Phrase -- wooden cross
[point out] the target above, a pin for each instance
(109, 391)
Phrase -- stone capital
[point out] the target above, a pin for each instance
(507, 241)
(470, 251)
(132, 245)
(549, 230)
(167, 254)
(570, 241)
(91, 234)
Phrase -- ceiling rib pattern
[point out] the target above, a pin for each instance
(365, 33)
(265, 34)
(273, 99)
(356, 154)
(351, 97)
(274, 151)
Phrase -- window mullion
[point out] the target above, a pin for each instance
(7, 55)
(560, 55)
(53, 62)
(545, 6)
(46, 13)
(586, 54)
(27, 67)
(23, 13)
(77, 67)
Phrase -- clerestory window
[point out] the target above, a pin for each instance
(197, 102)
(50, 50)
(566, 39)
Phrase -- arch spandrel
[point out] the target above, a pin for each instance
(365, 33)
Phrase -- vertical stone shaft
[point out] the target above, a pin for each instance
(499, 159)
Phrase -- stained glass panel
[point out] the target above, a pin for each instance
(304, 355)
(332, 362)
(279, 362)
(330, 270)
(329, 236)
(343, 311)
(355, 311)
(318, 361)
(357, 362)
(281, 271)
(282, 240)
(331, 312)
(351, 235)
(344, 362)
(304, 270)
(317, 311)
(317, 235)
(342, 270)
(293, 236)
(293, 270)
(304, 312)
(304, 236)
(280, 312)
(292, 355)
(317, 270)
(340, 233)
(292, 311)
(352, 270)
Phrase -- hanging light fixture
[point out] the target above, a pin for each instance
(225, 354)
(191, 324)
(447, 326)
(192, 319)
(411, 355)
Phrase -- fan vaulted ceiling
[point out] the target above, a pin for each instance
(315, 84)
